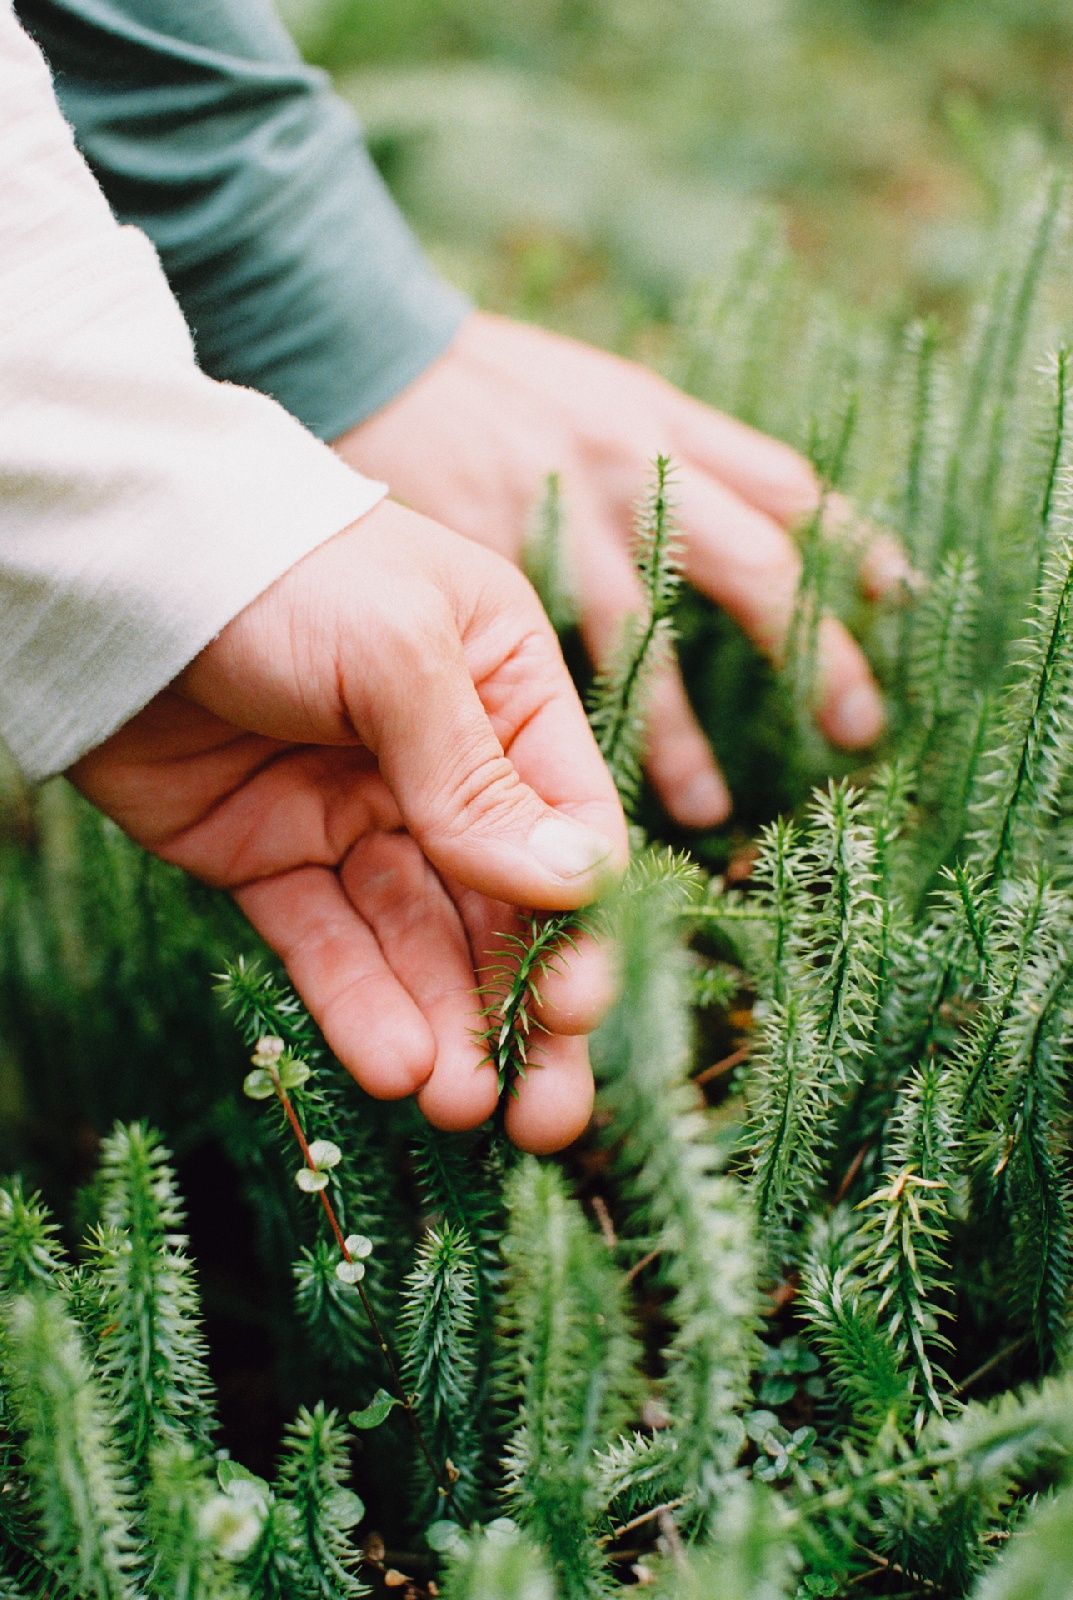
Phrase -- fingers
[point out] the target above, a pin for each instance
(432, 946)
(886, 570)
(423, 939)
(535, 712)
(679, 759)
(336, 964)
(766, 473)
(385, 962)
(774, 479)
(577, 983)
(523, 810)
(577, 990)
(551, 1106)
(740, 558)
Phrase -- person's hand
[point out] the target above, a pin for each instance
(472, 439)
(381, 758)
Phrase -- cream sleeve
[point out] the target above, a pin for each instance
(142, 505)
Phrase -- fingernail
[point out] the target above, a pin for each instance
(701, 802)
(568, 848)
(857, 719)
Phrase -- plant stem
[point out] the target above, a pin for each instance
(439, 1474)
(646, 1516)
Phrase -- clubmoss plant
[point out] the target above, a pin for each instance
(794, 1319)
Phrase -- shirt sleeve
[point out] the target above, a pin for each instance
(294, 269)
(142, 504)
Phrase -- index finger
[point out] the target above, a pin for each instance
(767, 473)
(537, 715)
(744, 561)
(775, 479)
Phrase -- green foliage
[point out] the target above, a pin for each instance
(694, 1218)
(794, 1318)
(511, 986)
(617, 707)
(362, 1180)
(441, 1354)
(1018, 790)
(323, 1511)
(1038, 1562)
(74, 1474)
(863, 1362)
(546, 564)
(932, 1508)
(112, 1488)
(498, 1564)
(902, 1261)
(152, 1352)
(29, 1240)
(820, 989)
(749, 1555)
(565, 1367)
(617, 701)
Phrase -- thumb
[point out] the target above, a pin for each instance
(523, 810)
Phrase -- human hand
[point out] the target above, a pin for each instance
(381, 758)
(472, 439)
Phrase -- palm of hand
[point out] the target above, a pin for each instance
(385, 948)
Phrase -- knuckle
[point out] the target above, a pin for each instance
(502, 603)
(483, 793)
(519, 592)
(422, 633)
(411, 639)
(530, 664)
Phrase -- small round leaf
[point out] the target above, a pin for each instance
(258, 1085)
(376, 1412)
(324, 1154)
(501, 1530)
(444, 1537)
(311, 1182)
(293, 1073)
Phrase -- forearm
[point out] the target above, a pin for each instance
(292, 265)
(142, 505)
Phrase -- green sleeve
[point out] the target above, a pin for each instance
(292, 265)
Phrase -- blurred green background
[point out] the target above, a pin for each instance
(584, 161)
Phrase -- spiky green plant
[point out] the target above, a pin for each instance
(441, 1355)
(113, 1487)
(566, 1368)
(794, 1319)
(696, 1226)
(617, 707)
(152, 1352)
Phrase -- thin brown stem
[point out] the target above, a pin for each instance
(639, 1266)
(440, 1476)
(850, 1174)
(990, 1364)
(882, 1564)
(719, 1068)
(639, 1521)
(669, 1529)
(603, 1218)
